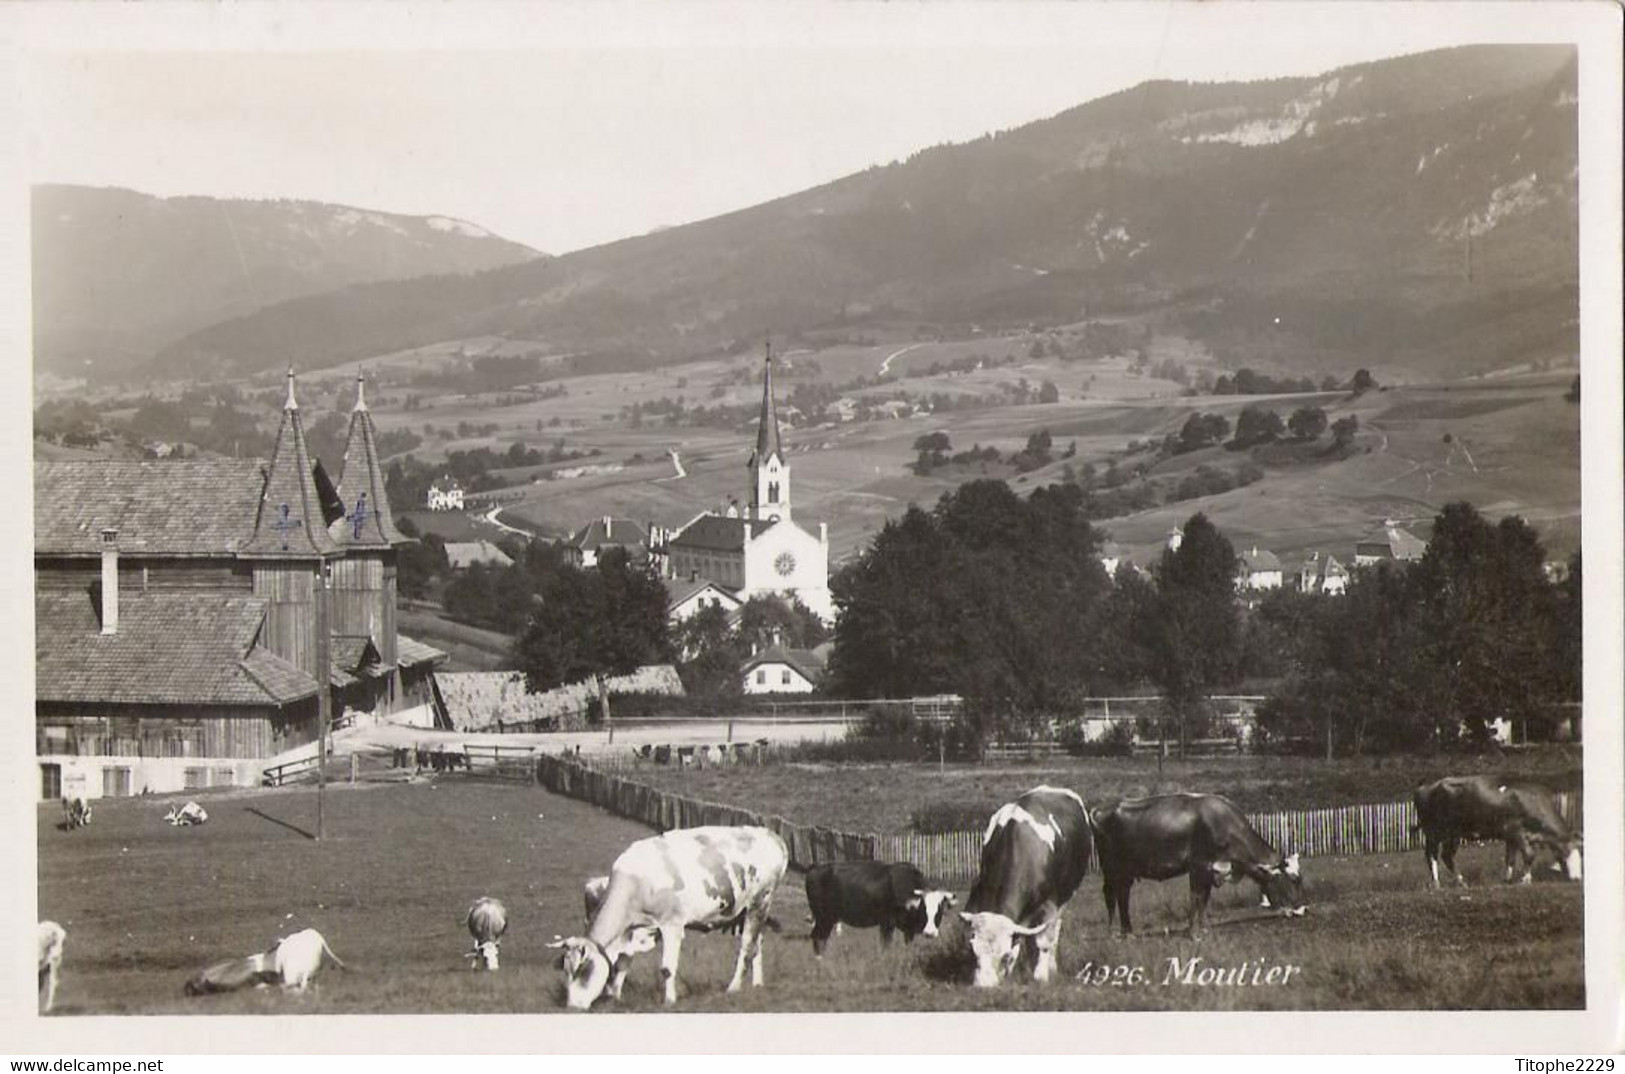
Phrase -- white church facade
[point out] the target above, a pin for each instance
(760, 549)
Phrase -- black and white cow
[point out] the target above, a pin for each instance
(663, 884)
(487, 922)
(1522, 815)
(77, 810)
(1034, 855)
(1203, 836)
(253, 971)
(866, 894)
(187, 816)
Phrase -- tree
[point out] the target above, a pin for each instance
(594, 624)
(710, 653)
(1343, 430)
(769, 619)
(933, 451)
(1307, 423)
(1048, 392)
(1363, 382)
(1257, 425)
(1202, 430)
(1198, 632)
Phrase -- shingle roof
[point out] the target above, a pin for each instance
(719, 534)
(680, 589)
(171, 648)
(808, 662)
(409, 652)
(289, 520)
(1255, 560)
(368, 521)
(1398, 543)
(177, 508)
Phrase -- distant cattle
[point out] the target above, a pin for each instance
(253, 971)
(666, 882)
(1035, 853)
(77, 810)
(1524, 816)
(866, 894)
(487, 921)
(51, 939)
(296, 958)
(1202, 836)
(187, 815)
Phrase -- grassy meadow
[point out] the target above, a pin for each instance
(146, 905)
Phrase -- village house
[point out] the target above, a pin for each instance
(446, 495)
(688, 597)
(779, 670)
(585, 545)
(189, 613)
(1390, 543)
(1326, 575)
(760, 549)
(1260, 569)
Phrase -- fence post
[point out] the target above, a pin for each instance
(353, 759)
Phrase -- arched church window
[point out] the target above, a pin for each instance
(772, 492)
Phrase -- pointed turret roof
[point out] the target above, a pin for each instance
(367, 521)
(767, 429)
(289, 519)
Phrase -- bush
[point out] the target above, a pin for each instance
(1118, 741)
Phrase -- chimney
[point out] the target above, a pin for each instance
(109, 581)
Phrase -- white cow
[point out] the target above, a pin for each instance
(78, 811)
(187, 815)
(487, 921)
(295, 959)
(51, 938)
(691, 876)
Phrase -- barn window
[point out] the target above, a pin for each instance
(784, 677)
(761, 676)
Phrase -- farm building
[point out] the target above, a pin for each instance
(761, 550)
(586, 544)
(1390, 542)
(1260, 569)
(1326, 575)
(180, 641)
(446, 495)
(778, 670)
(461, 555)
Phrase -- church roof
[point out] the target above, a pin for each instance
(172, 648)
(767, 426)
(367, 521)
(716, 533)
(194, 507)
(289, 521)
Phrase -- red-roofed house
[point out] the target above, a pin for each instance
(179, 639)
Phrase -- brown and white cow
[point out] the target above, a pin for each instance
(487, 921)
(228, 975)
(1524, 816)
(51, 939)
(187, 816)
(77, 810)
(703, 876)
(1203, 836)
(1034, 855)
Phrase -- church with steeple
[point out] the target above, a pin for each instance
(761, 548)
(182, 635)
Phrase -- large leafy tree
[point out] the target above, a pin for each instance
(594, 624)
(710, 653)
(1198, 635)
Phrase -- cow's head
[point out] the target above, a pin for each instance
(932, 906)
(995, 940)
(586, 971)
(486, 952)
(1283, 886)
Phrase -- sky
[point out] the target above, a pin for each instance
(563, 126)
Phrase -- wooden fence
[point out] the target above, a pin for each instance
(952, 858)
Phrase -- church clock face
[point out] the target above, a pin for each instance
(785, 564)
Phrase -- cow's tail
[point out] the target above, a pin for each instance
(336, 960)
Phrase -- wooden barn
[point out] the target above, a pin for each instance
(180, 641)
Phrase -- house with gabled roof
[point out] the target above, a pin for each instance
(585, 545)
(1259, 569)
(780, 670)
(1388, 543)
(1323, 575)
(190, 614)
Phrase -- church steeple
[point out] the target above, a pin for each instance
(769, 472)
(289, 520)
(367, 520)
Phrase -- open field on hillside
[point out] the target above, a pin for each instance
(146, 905)
(469, 648)
(883, 797)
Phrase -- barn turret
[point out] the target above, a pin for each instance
(364, 580)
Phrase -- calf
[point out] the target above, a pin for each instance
(687, 876)
(487, 921)
(254, 971)
(1034, 855)
(77, 810)
(1524, 816)
(866, 894)
(51, 938)
(1203, 836)
(187, 815)
(295, 959)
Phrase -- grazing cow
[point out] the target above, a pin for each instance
(51, 938)
(1522, 815)
(295, 959)
(255, 971)
(592, 894)
(703, 876)
(1034, 855)
(1203, 836)
(487, 921)
(187, 815)
(864, 894)
(78, 811)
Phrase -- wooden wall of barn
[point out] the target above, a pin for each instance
(363, 599)
(172, 731)
(140, 574)
(290, 618)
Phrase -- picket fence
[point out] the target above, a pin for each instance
(952, 858)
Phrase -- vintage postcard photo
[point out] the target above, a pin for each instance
(980, 510)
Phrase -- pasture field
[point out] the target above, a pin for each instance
(146, 905)
(883, 797)
(468, 648)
